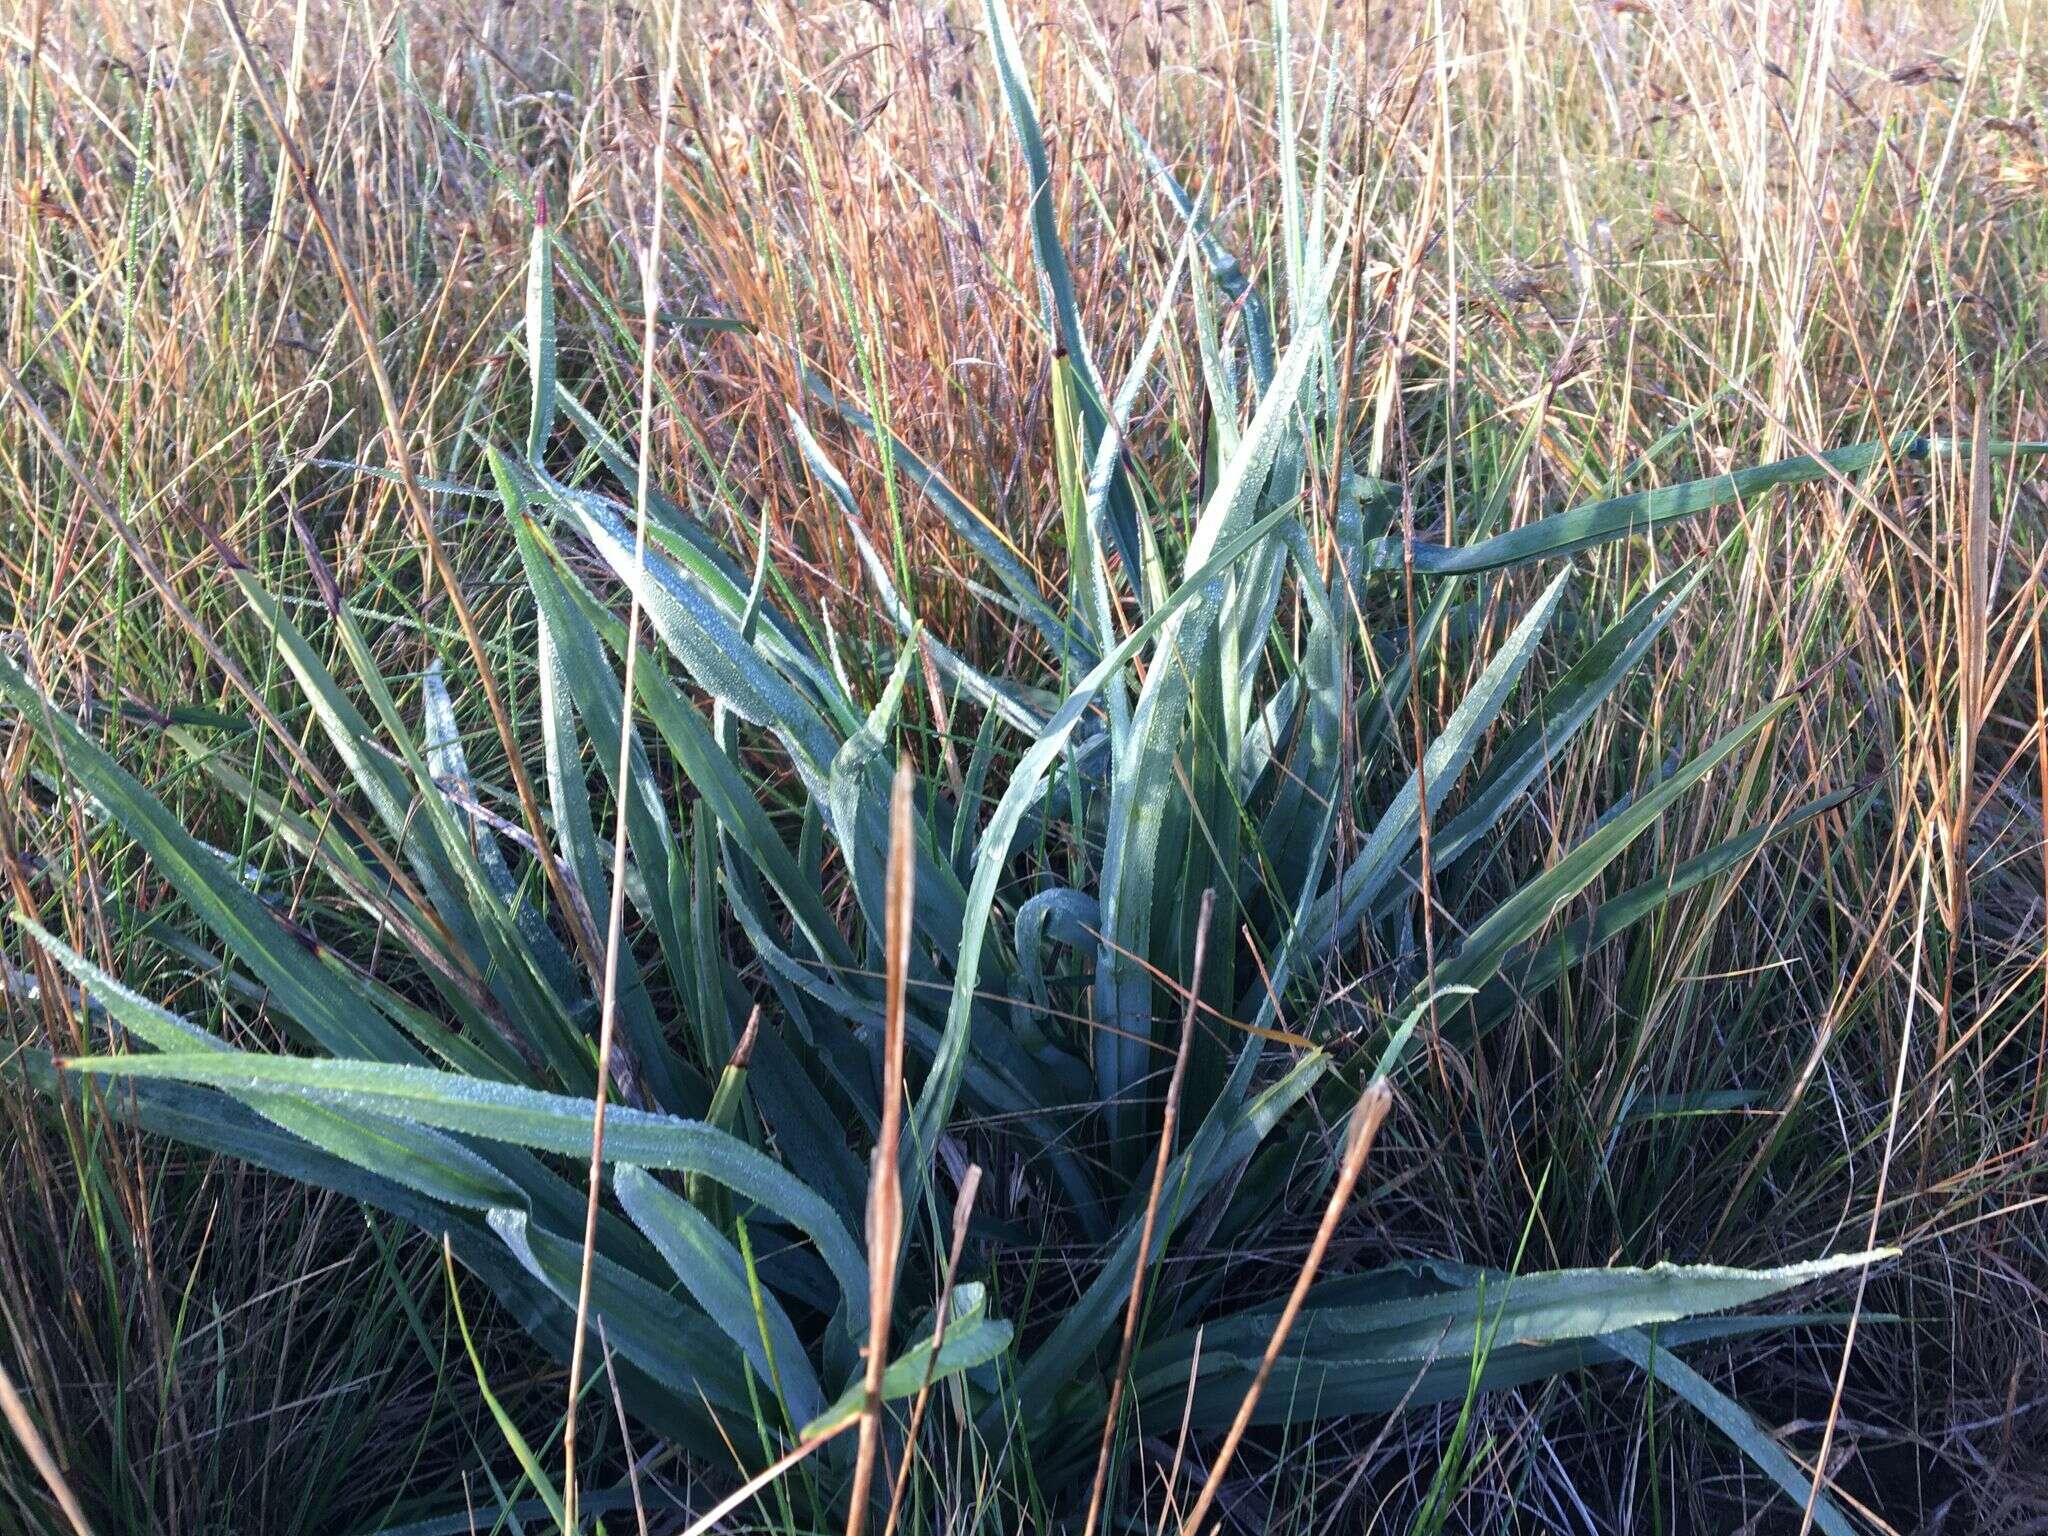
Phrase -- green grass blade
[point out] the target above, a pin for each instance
(1148, 810)
(1542, 965)
(1530, 748)
(1398, 828)
(942, 1083)
(1518, 917)
(972, 1338)
(540, 340)
(1734, 1421)
(1602, 522)
(1066, 637)
(669, 1340)
(303, 987)
(526, 1117)
(711, 1268)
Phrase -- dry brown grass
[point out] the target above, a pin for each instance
(1792, 228)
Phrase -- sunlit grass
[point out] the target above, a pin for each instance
(1650, 245)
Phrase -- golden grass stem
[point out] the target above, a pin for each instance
(1884, 1171)
(885, 1189)
(608, 1007)
(1167, 1124)
(38, 1453)
(1366, 1120)
(963, 1211)
(124, 531)
(707, 1521)
(401, 463)
(611, 1374)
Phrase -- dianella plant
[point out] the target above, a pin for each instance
(1098, 948)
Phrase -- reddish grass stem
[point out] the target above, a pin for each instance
(1167, 1124)
(1366, 1120)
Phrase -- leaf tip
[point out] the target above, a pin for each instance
(229, 558)
(743, 1053)
(323, 575)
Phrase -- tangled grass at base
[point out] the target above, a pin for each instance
(1204, 707)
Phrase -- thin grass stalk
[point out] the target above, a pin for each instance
(2041, 771)
(1426, 896)
(708, 1521)
(523, 1453)
(1366, 1119)
(38, 1453)
(611, 1377)
(1973, 616)
(963, 1212)
(287, 740)
(885, 1190)
(1167, 1125)
(608, 1008)
(1884, 1170)
(401, 463)
(1180, 1441)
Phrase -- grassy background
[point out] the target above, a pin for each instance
(1712, 234)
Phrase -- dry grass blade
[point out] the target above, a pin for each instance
(1571, 278)
(608, 1008)
(1366, 1120)
(1167, 1124)
(282, 737)
(765, 1478)
(885, 1189)
(625, 1429)
(32, 1444)
(963, 1211)
(401, 463)
(1180, 1440)
(1884, 1172)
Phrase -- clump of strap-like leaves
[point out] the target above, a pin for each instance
(1185, 731)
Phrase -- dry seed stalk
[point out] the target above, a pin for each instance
(885, 1190)
(963, 1211)
(1366, 1120)
(1167, 1124)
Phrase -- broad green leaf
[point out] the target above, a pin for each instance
(1601, 522)
(547, 1122)
(422, 1160)
(706, 562)
(1423, 1332)
(1224, 268)
(672, 1342)
(949, 1063)
(715, 1274)
(1147, 805)
(713, 774)
(706, 639)
(304, 989)
(1063, 315)
(972, 1338)
(1512, 1310)
(1518, 917)
(442, 739)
